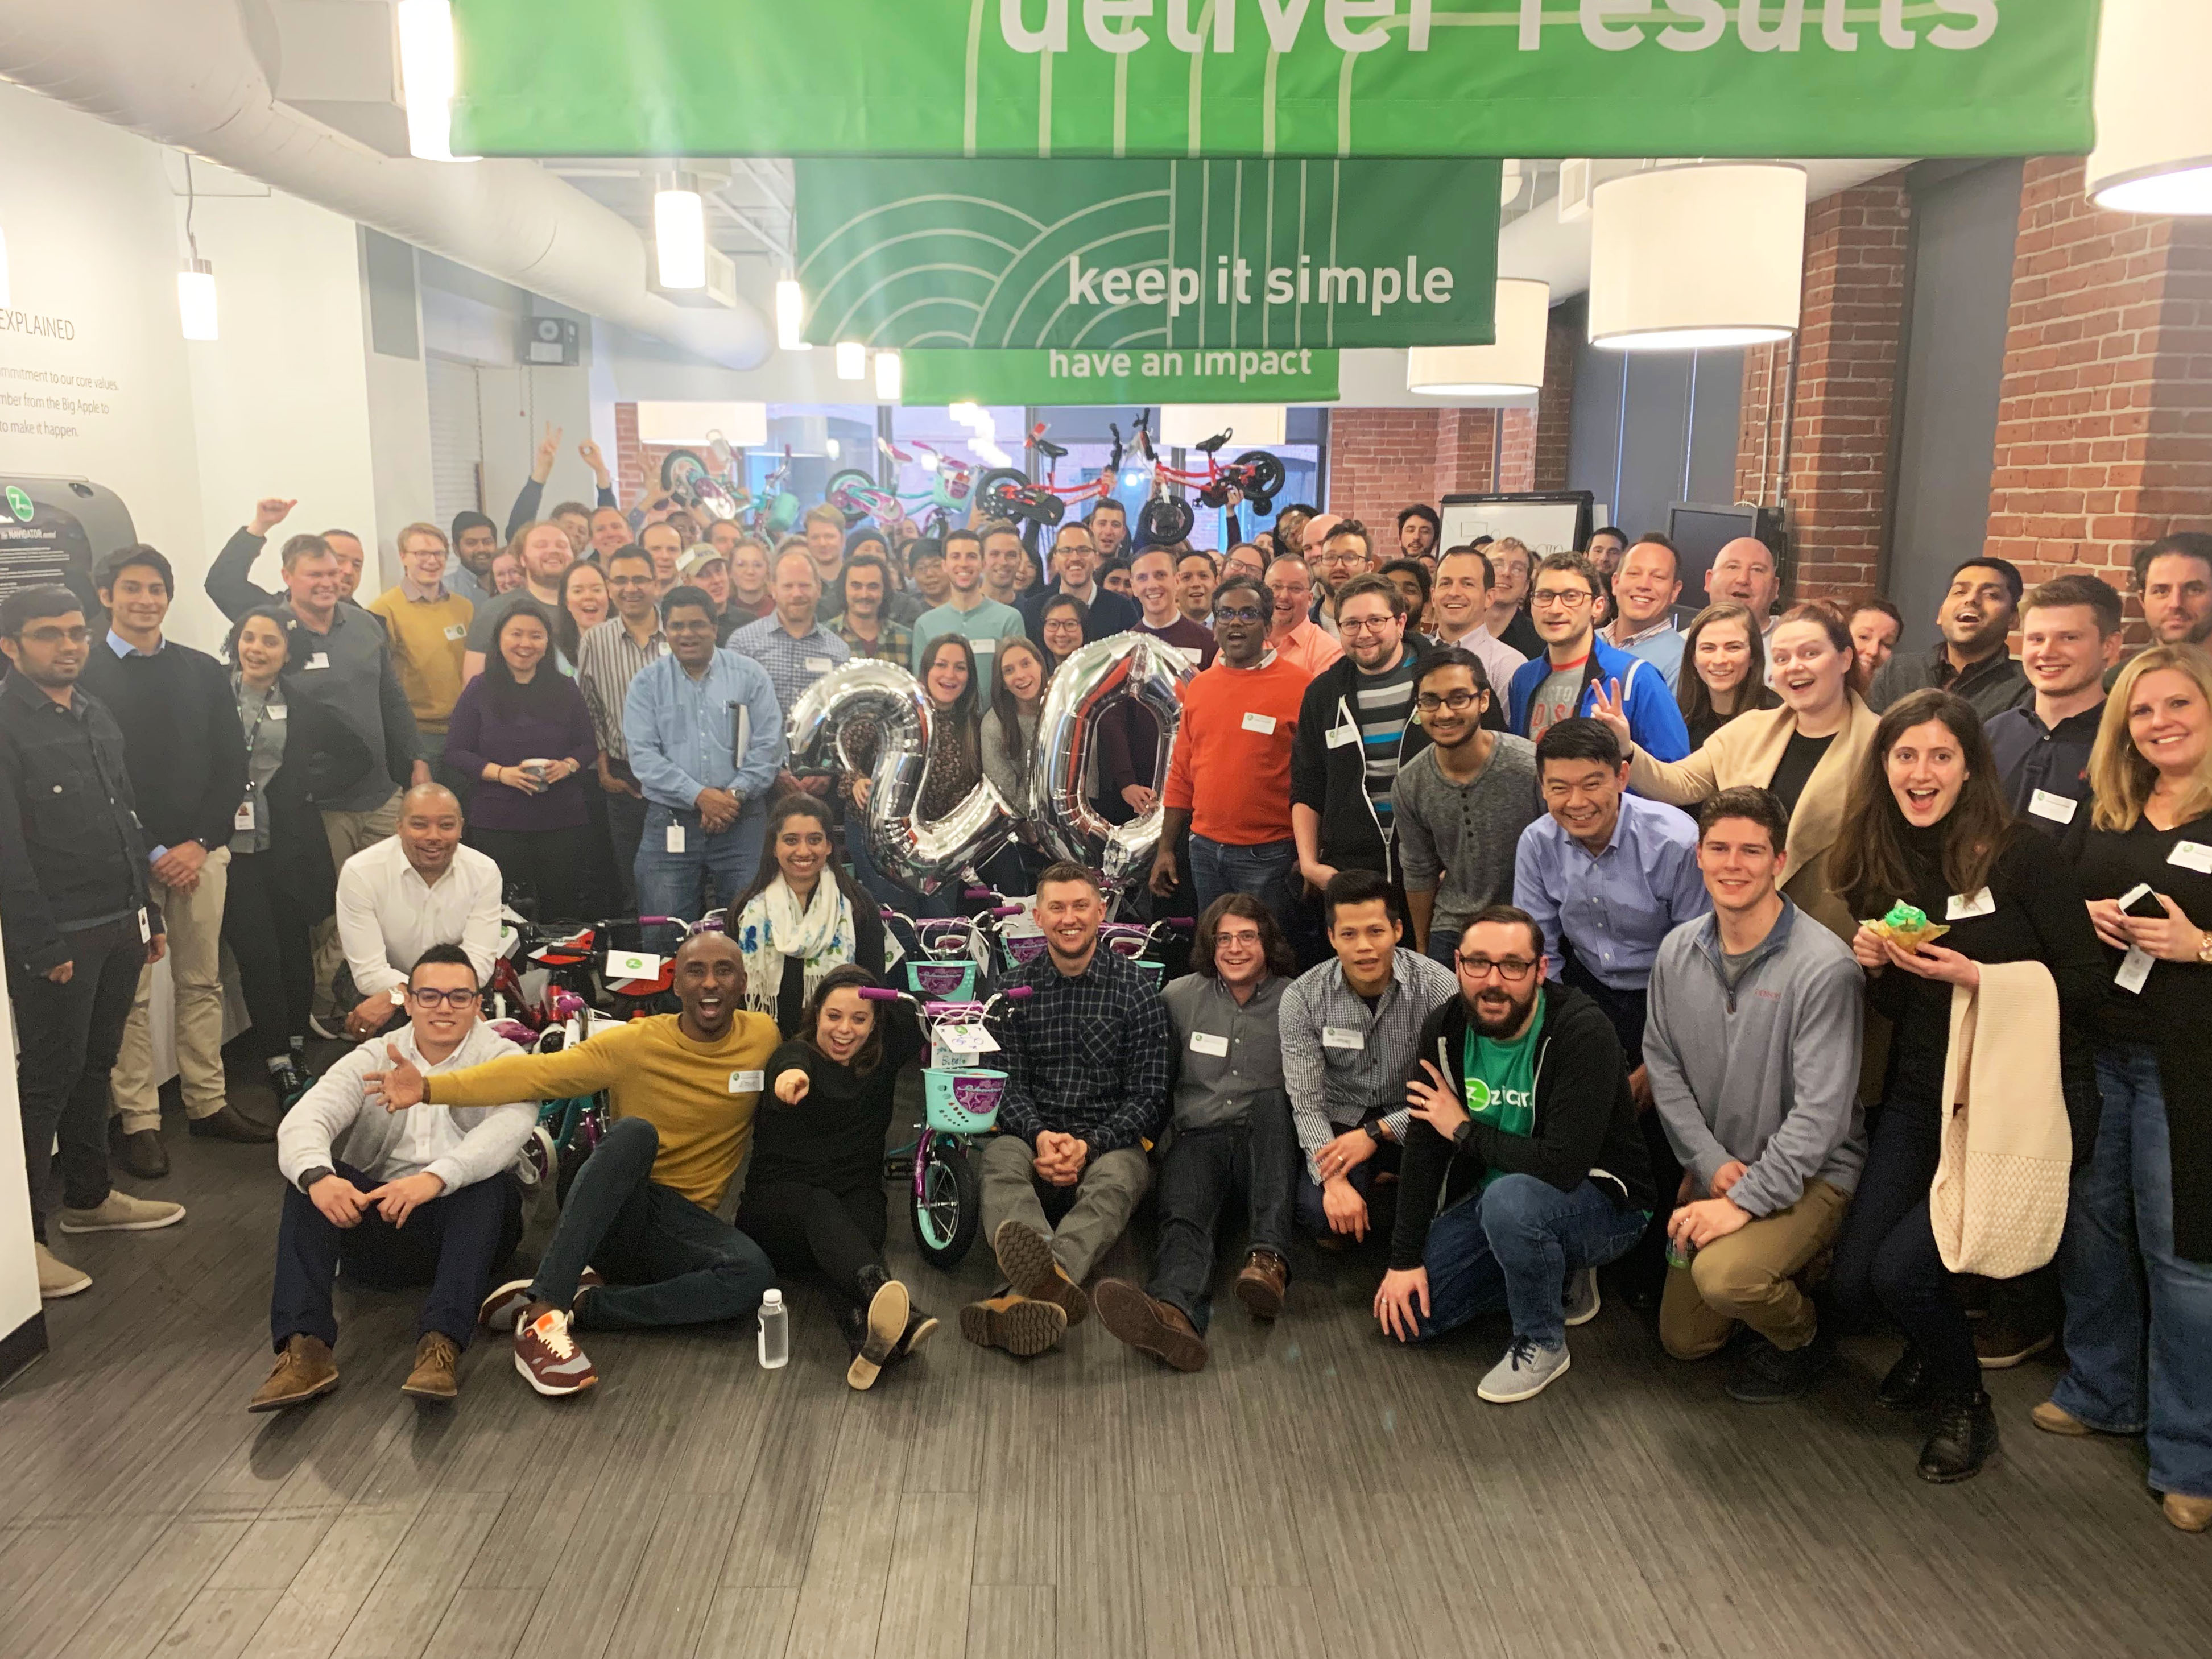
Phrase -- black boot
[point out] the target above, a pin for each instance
(1965, 1438)
(921, 1326)
(853, 1326)
(1905, 1387)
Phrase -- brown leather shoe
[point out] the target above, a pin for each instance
(1015, 1323)
(1261, 1285)
(2189, 1513)
(433, 1378)
(1026, 1259)
(304, 1370)
(1149, 1325)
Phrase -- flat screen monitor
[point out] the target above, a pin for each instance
(1700, 533)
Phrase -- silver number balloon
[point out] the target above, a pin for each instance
(1098, 676)
(920, 855)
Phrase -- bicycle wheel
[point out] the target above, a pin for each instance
(682, 468)
(1164, 521)
(1003, 493)
(859, 480)
(948, 1209)
(1267, 474)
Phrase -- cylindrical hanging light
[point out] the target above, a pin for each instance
(852, 360)
(1512, 366)
(1696, 258)
(1185, 426)
(2154, 151)
(790, 315)
(890, 379)
(196, 307)
(426, 77)
(679, 231)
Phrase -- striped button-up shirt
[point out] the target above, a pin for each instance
(607, 660)
(1086, 1054)
(793, 664)
(1342, 1062)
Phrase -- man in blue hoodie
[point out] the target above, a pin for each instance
(1576, 660)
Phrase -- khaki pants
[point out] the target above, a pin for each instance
(1751, 1276)
(1092, 1213)
(348, 833)
(194, 921)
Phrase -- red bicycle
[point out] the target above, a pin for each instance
(1256, 476)
(1008, 494)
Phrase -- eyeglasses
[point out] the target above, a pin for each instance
(1240, 614)
(426, 998)
(1363, 624)
(1567, 598)
(1247, 936)
(1511, 969)
(1458, 702)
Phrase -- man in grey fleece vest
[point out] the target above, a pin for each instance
(1751, 1046)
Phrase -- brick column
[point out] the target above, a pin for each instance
(1517, 448)
(1380, 459)
(2105, 420)
(1849, 340)
(1555, 403)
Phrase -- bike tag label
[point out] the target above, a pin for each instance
(1263, 724)
(967, 1039)
(747, 1083)
(632, 964)
(1205, 1042)
(2135, 971)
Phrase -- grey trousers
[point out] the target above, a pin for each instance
(1092, 1213)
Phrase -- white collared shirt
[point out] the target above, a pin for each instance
(388, 915)
(1500, 660)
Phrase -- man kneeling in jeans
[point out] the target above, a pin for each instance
(641, 1210)
(1086, 1060)
(1522, 1117)
(396, 1199)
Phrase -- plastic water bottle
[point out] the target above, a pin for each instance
(774, 1332)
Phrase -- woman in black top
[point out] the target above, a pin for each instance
(2137, 1261)
(814, 1193)
(1723, 671)
(1928, 825)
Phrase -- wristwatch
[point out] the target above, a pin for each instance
(309, 1177)
(1374, 1127)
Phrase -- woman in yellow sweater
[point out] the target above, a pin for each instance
(682, 1090)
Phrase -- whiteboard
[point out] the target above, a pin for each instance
(1545, 523)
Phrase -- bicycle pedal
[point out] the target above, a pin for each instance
(898, 1169)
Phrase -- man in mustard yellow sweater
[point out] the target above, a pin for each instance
(428, 624)
(641, 1210)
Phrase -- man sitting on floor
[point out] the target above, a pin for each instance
(359, 1176)
(1525, 1125)
(1232, 1135)
(1086, 1062)
(642, 1208)
(417, 887)
(1752, 1050)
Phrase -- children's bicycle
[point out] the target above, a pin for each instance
(1256, 476)
(1008, 494)
(960, 1105)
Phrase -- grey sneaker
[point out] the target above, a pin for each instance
(1525, 1372)
(1582, 1298)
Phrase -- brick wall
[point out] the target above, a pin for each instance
(1847, 351)
(1555, 403)
(2104, 418)
(1516, 449)
(1382, 459)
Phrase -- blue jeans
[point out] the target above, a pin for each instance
(710, 871)
(2138, 1317)
(1512, 1245)
(1267, 870)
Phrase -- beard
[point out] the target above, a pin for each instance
(1516, 1016)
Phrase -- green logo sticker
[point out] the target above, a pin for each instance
(20, 504)
(1478, 1095)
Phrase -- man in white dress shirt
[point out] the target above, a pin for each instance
(401, 896)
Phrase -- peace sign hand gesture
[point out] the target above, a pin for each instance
(1607, 705)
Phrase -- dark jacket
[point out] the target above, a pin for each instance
(72, 853)
(1992, 685)
(321, 758)
(1584, 1126)
(2053, 760)
(181, 739)
(230, 582)
(357, 684)
(1331, 777)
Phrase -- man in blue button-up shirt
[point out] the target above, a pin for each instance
(705, 740)
(1606, 873)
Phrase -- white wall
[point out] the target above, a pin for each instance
(19, 1273)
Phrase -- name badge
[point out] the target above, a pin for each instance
(1340, 735)
(319, 659)
(747, 1083)
(2135, 971)
(632, 964)
(2191, 855)
(984, 646)
(277, 711)
(145, 927)
(2059, 809)
(817, 665)
(457, 631)
(675, 837)
(1963, 905)
(1189, 653)
(1339, 1036)
(1263, 724)
(243, 819)
(1205, 1042)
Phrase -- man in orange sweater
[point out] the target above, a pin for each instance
(1239, 718)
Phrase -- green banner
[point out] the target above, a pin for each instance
(1247, 374)
(1008, 254)
(1314, 78)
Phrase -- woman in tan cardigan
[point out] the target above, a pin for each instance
(1807, 752)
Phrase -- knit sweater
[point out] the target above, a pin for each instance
(429, 637)
(699, 1096)
(1238, 726)
(182, 743)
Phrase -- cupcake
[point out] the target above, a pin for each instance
(1909, 925)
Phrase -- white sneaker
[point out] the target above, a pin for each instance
(56, 1279)
(119, 1212)
(1525, 1372)
(1582, 1298)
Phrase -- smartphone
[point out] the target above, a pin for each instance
(2139, 901)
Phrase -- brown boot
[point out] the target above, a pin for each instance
(1150, 1325)
(2189, 1513)
(433, 1378)
(1026, 1259)
(1014, 1324)
(304, 1370)
(1261, 1285)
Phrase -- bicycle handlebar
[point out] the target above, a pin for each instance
(879, 994)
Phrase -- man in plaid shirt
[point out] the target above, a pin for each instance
(1087, 1060)
(864, 628)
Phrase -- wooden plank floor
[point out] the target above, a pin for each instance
(1313, 1491)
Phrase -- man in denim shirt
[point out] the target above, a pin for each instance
(705, 740)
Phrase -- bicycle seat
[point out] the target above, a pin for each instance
(1049, 449)
(1212, 444)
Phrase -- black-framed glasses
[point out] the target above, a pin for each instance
(1458, 702)
(1239, 614)
(1511, 969)
(427, 997)
(1567, 598)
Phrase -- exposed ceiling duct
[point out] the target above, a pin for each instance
(186, 73)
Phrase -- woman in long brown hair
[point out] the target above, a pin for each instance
(803, 916)
(1723, 671)
(1927, 826)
